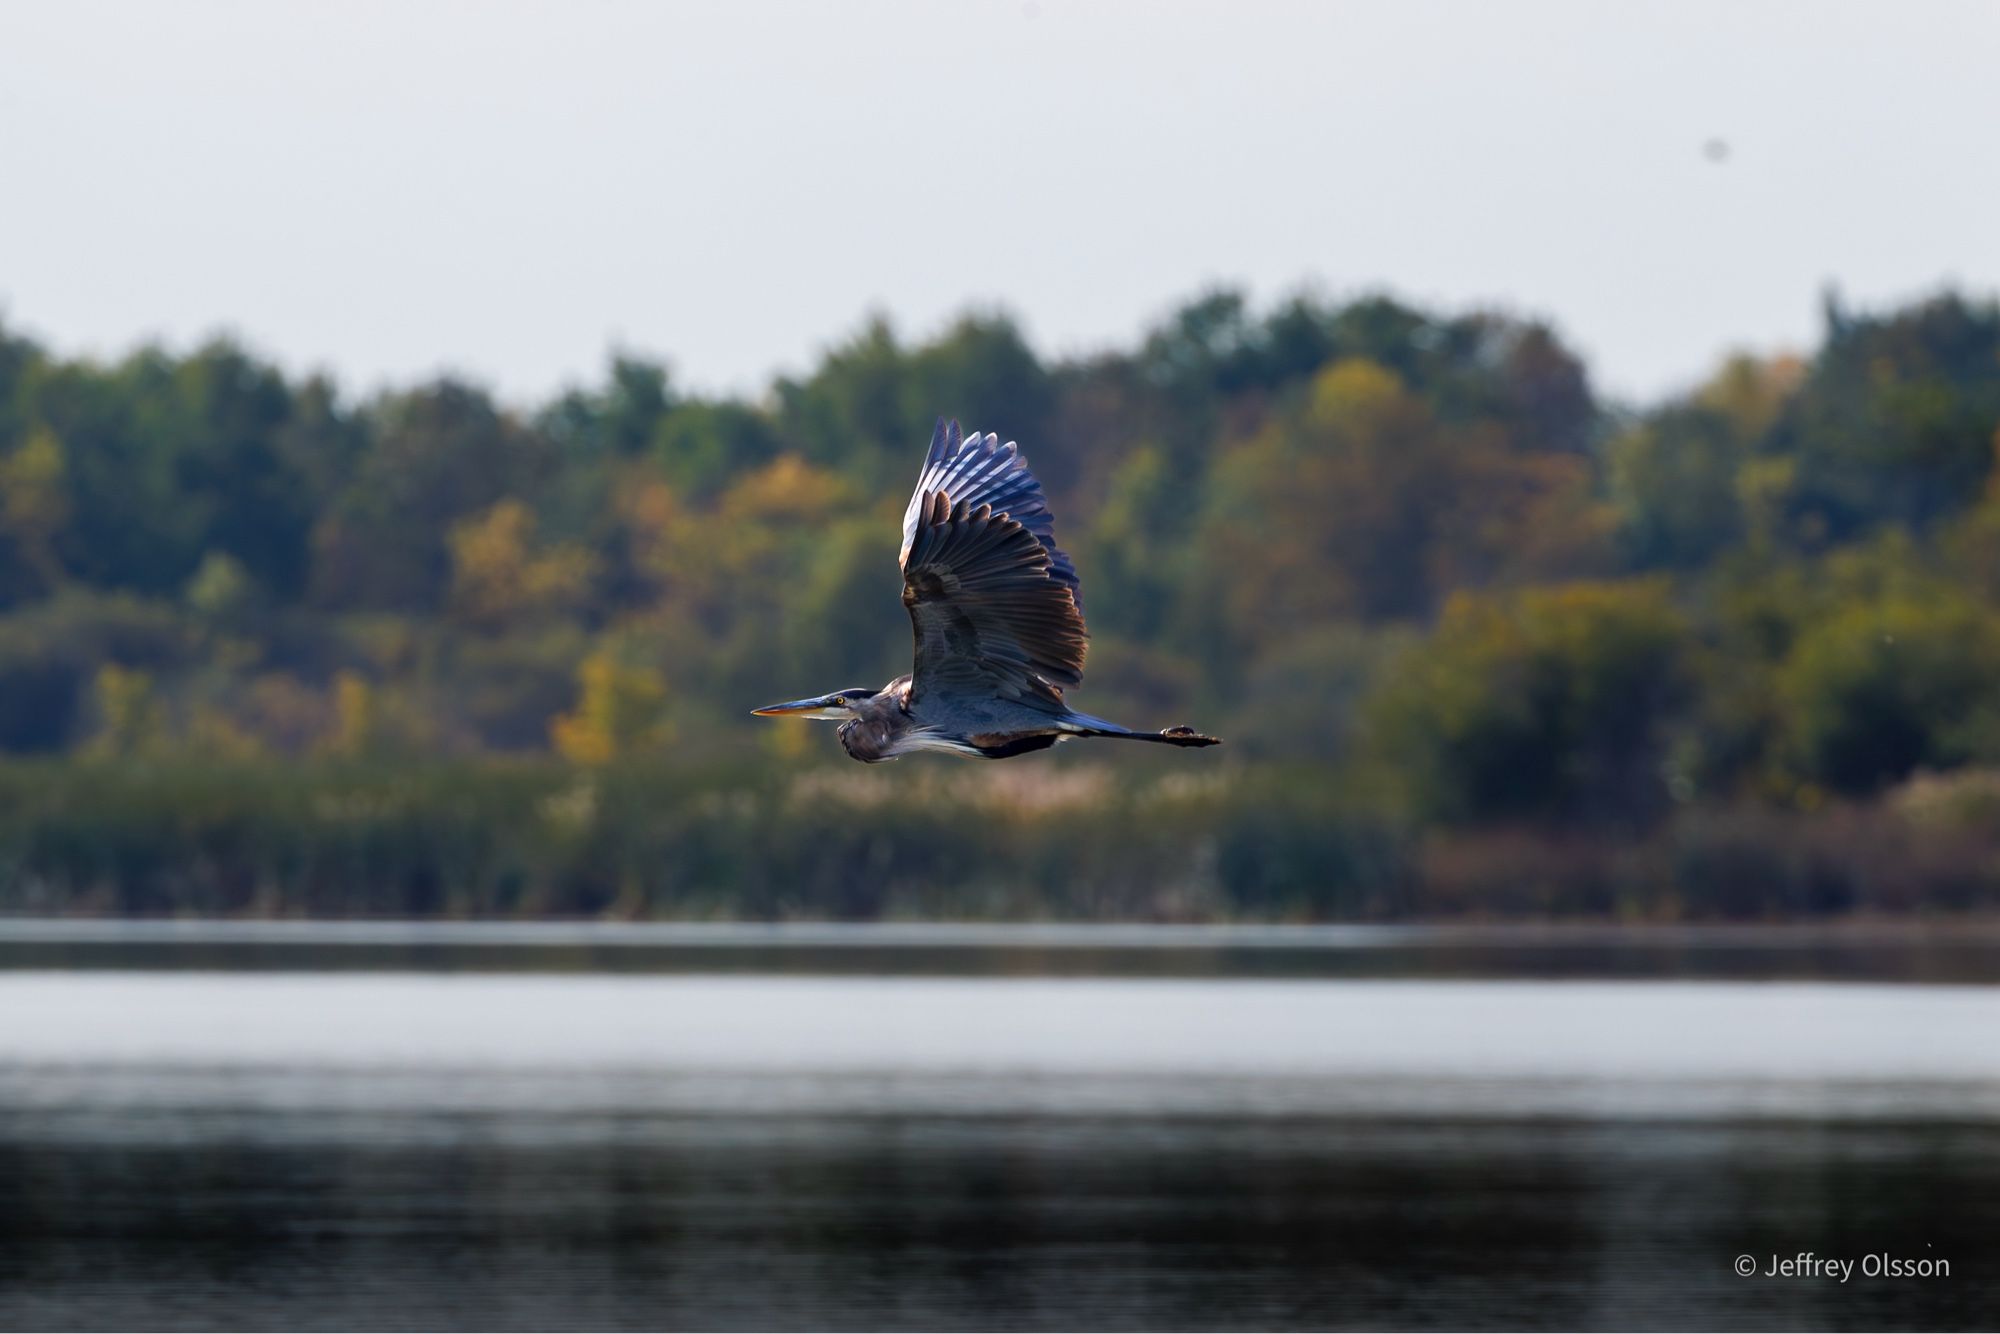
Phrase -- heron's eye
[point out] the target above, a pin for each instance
(840, 701)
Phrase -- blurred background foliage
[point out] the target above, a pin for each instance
(1480, 641)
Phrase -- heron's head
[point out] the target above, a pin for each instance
(837, 707)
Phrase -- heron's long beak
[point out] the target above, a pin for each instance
(820, 707)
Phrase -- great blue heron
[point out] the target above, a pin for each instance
(999, 630)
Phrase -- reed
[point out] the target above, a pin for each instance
(531, 838)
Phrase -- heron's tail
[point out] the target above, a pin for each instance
(1172, 736)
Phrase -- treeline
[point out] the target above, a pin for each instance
(1407, 562)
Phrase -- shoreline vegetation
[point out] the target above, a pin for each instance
(1483, 644)
(530, 839)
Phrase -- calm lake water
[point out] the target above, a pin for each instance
(368, 1127)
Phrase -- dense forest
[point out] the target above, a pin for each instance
(1480, 641)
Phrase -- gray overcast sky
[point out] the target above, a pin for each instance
(507, 189)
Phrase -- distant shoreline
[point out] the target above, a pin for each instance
(1050, 933)
(1936, 951)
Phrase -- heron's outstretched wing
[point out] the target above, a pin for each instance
(993, 612)
(979, 470)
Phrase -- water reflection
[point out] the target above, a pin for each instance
(502, 1220)
(479, 1150)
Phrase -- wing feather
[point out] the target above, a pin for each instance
(989, 616)
(981, 470)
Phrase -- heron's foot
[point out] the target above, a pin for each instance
(1187, 736)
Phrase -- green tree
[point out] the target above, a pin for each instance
(1894, 422)
(221, 590)
(436, 455)
(1881, 687)
(1675, 481)
(34, 505)
(1388, 508)
(703, 443)
(619, 419)
(1548, 703)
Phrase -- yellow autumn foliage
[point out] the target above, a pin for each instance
(620, 712)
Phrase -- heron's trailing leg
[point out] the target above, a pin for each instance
(1084, 725)
(1170, 736)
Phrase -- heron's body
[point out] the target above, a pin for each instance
(999, 629)
(886, 724)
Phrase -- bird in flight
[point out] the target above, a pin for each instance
(999, 629)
